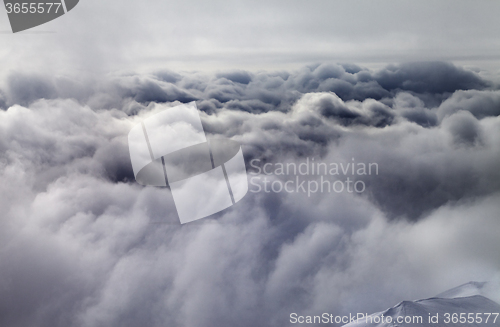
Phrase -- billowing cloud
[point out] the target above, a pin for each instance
(84, 245)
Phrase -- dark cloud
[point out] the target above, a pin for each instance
(239, 76)
(169, 76)
(431, 82)
(3, 103)
(84, 245)
(431, 77)
(413, 109)
(23, 89)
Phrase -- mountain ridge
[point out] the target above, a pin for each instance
(449, 308)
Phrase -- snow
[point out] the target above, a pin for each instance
(468, 299)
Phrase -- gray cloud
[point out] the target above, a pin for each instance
(84, 245)
(428, 77)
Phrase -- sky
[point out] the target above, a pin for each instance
(410, 86)
(106, 36)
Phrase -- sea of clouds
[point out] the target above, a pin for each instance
(82, 244)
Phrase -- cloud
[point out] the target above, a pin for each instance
(24, 89)
(464, 128)
(480, 103)
(431, 77)
(240, 76)
(84, 245)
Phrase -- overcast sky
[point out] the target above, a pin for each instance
(192, 35)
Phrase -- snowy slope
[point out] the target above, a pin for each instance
(469, 289)
(451, 308)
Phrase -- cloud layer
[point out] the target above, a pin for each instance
(84, 245)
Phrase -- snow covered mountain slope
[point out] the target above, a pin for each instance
(469, 289)
(465, 305)
(490, 290)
